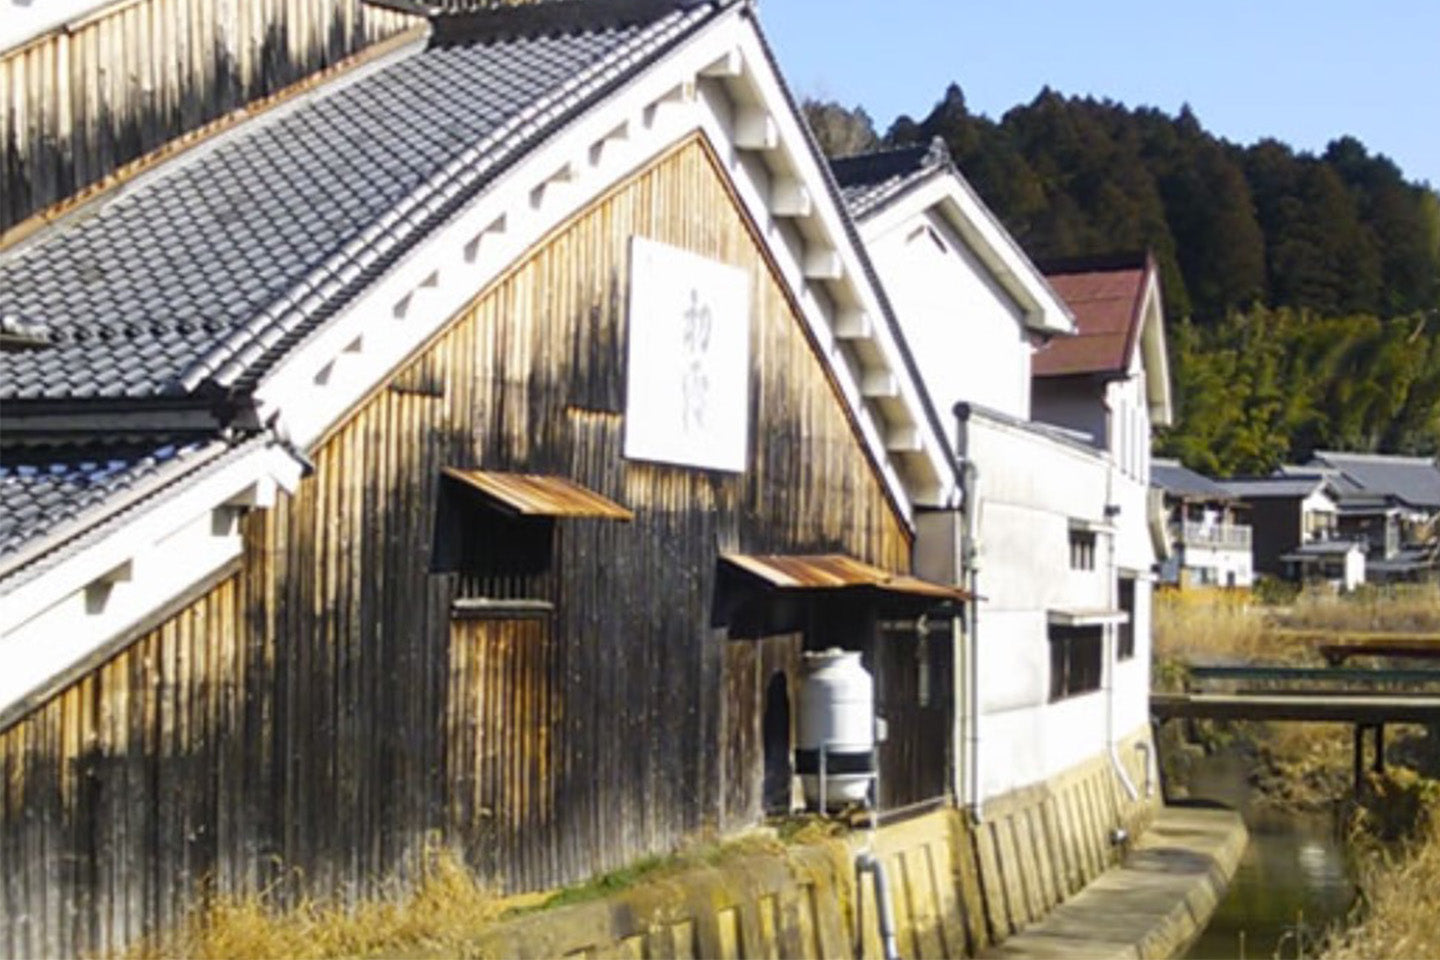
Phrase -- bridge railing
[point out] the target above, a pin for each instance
(1318, 680)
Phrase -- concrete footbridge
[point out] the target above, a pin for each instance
(1367, 699)
(1359, 708)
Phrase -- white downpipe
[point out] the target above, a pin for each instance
(867, 862)
(970, 638)
(1112, 590)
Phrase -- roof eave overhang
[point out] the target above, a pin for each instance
(1152, 349)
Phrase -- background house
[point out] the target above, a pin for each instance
(1289, 514)
(1393, 503)
(1210, 547)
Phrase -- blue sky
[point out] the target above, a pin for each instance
(1303, 72)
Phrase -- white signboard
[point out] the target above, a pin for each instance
(688, 396)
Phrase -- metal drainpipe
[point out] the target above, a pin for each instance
(867, 862)
(1112, 661)
(970, 638)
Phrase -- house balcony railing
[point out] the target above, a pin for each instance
(1226, 536)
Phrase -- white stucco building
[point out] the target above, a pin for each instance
(1053, 666)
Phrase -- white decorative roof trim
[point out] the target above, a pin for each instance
(719, 83)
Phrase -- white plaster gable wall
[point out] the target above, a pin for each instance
(24, 20)
(964, 330)
(1128, 404)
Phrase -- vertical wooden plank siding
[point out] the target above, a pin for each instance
(314, 721)
(110, 801)
(88, 97)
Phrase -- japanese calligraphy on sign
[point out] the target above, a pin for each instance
(688, 371)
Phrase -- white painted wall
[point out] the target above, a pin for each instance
(1030, 489)
(1132, 676)
(1221, 563)
(965, 332)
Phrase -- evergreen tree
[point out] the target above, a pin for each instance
(838, 131)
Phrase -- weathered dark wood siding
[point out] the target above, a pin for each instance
(89, 97)
(313, 721)
(127, 790)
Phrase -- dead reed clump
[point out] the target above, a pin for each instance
(1234, 626)
(444, 913)
(1402, 900)
(1392, 608)
(1211, 625)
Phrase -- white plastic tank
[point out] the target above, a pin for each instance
(837, 711)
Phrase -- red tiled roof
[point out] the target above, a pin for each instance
(1107, 308)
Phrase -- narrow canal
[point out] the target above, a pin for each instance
(1295, 879)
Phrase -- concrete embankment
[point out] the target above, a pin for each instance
(1154, 903)
(808, 902)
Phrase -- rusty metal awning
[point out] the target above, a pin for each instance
(1086, 617)
(536, 495)
(836, 571)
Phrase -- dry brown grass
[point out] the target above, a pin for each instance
(446, 915)
(443, 914)
(1401, 608)
(1402, 895)
(1200, 625)
(1212, 626)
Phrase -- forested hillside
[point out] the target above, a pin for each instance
(1303, 291)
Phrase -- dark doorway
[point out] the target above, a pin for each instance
(776, 731)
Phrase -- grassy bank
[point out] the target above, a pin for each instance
(445, 912)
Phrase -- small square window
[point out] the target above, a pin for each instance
(1082, 550)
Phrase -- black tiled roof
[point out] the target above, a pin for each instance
(1290, 486)
(868, 180)
(44, 487)
(1413, 480)
(1181, 481)
(207, 272)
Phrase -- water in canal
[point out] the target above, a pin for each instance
(1294, 881)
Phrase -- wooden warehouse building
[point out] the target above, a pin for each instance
(467, 448)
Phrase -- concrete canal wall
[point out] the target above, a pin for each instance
(956, 889)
